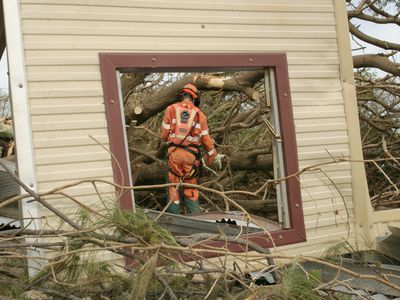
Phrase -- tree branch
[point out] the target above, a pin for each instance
(369, 18)
(159, 101)
(371, 40)
(376, 61)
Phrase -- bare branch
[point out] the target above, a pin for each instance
(376, 61)
(371, 40)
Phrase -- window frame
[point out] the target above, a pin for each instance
(113, 63)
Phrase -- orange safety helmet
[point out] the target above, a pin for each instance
(190, 89)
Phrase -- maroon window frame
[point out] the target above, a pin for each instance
(204, 62)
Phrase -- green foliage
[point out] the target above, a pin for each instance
(11, 292)
(83, 271)
(83, 218)
(139, 224)
(335, 249)
(143, 279)
(298, 285)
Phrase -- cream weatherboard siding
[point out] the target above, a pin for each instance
(62, 40)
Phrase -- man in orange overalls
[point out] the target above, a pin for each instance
(185, 128)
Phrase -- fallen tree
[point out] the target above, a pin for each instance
(234, 103)
(377, 70)
(157, 102)
(74, 270)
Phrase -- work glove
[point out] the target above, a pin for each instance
(205, 166)
(218, 161)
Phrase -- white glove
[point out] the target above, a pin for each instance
(218, 161)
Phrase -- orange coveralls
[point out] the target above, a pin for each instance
(180, 161)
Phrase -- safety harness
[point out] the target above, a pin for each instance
(181, 139)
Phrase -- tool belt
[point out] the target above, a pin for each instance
(197, 162)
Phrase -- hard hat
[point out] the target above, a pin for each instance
(190, 89)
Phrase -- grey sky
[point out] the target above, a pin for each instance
(387, 32)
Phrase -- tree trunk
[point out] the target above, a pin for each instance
(156, 173)
(167, 96)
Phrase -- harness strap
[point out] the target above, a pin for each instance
(169, 170)
(196, 154)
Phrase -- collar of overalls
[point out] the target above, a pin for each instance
(189, 103)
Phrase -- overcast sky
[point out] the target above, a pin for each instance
(389, 33)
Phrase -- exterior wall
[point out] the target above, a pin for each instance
(62, 39)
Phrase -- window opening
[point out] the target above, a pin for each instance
(152, 72)
(243, 121)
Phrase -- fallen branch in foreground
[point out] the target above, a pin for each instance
(75, 262)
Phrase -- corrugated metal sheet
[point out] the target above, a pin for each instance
(62, 40)
(8, 187)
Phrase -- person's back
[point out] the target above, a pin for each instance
(185, 129)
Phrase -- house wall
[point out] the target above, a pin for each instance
(62, 40)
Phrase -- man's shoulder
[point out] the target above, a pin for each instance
(172, 106)
(200, 112)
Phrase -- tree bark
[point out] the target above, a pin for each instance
(376, 61)
(167, 96)
(156, 173)
(373, 41)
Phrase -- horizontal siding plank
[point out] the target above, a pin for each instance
(323, 148)
(313, 210)
(322, 155)
(125, 29)
(49, 156)
(67, 73)
(326, 168)
(321, 128)
(323, 164)
(319, 120)
(327, 219)
(68, 122)
(311, 72)
(322, 191)
(313, 58)
(325, 203)
(316, 114)
(69, 207)
(333, 180)
(319, 194)
(331, 169)
(68, 138)
(315, 86)
(310, 6)
(187, 16)
(318, 245)
(329, 237)
(115, 43)
(63, 89)
(62, 106)
(317, 248)
(301, 98)
(74, 171)
(299, 110)
(84, 189)
(309, 135)
(322, 141)
(46, 186)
